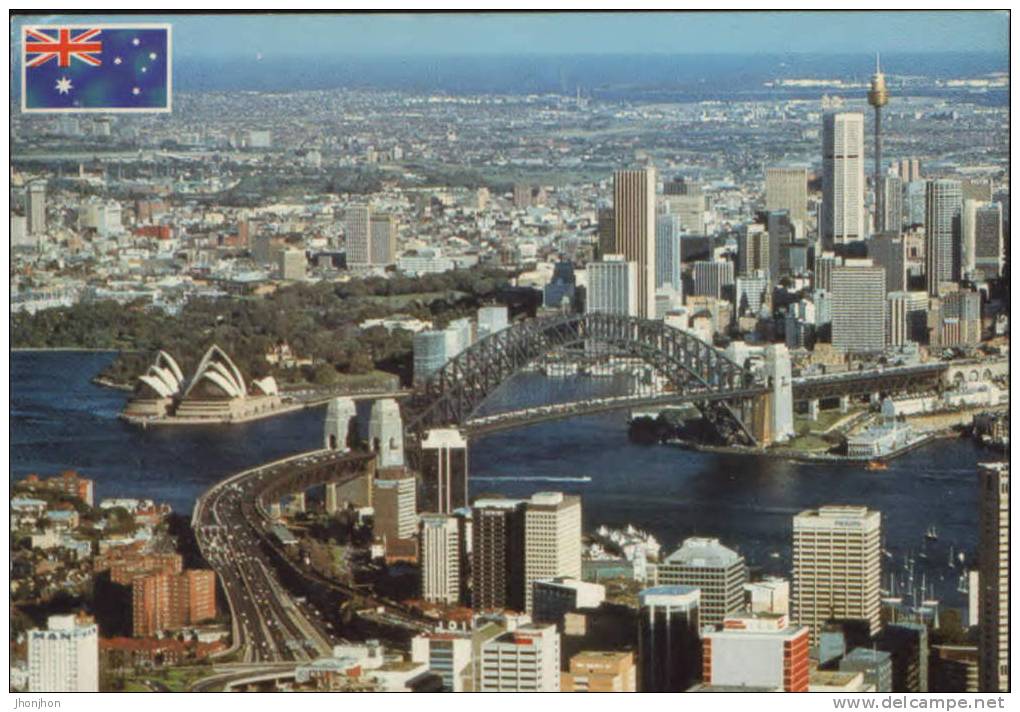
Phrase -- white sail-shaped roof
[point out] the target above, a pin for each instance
(217, 368)
(167, 361)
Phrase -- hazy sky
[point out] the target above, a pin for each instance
(574, 33)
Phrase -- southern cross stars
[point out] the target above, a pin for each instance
(63, 85)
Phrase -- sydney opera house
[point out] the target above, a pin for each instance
(217, 392)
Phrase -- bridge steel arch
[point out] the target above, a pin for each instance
(452, 394)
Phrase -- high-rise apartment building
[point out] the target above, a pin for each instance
(752, 249)
(843, 187)
(357, 232)
(993, 560)
(440, 554)
(552, 539)
(497, 555)
(837, 567)
(634, 226)
(669, 646)
(613, 287)
(65, 656)
(759, 651)
(526, 659)
(943, 207)
(858, 289)
(165, 601)
(786, 189)
(717, 571)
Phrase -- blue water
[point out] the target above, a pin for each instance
(60, 420)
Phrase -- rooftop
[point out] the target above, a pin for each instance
(704, 553)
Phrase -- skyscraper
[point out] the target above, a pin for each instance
(858, 290)
(717, 571)
(497, 555)
(440, 557)
(988, 255)
(606, 231)
(668, 242)
(382, 239)
(786, 189)
(837, 567)
(35, 207)
(613, 287)
(552, 539)
(445, 469)
(634, 226)
(752, 249)
(843, 186)
(357, 232)
(943, 203)
(908, 317)
(993, 560)
(65, 656)
(891, 217)
(889, 251)
(712, 278)
(781, 233)
(669, 647)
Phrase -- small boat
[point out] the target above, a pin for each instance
(876, 466)
(932, 534)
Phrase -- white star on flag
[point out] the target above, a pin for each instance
(63, 85)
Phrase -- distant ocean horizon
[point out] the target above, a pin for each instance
(676, 77)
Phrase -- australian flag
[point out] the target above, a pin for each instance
(106, 68)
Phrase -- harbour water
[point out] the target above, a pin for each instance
(60, 420)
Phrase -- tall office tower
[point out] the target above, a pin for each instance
(65, 656)
(858, 290)
(669, 647)
(552, 539)
(837, 567)
(386, 432)
(357, 232)
(780, 374)
(667, 253)
(613, 287)
(712, 278)
(988, 240)
(968, 238)
(750, 293)
(682, 186)
(497, 555)
(760, 651)
(825, 262)
(395, 505)
(752, 249)
(878, 96)
(448, 654)
(908, 317)
(383, 239)
(492, 320)
(891, 188)
(964, 307)
(337, 429)
(526, 659)
(889, 251)
(717, 571)
(843, 188)
(291, 264)
(781, 234)
(786, 189)
(440, 555)
(600, 671)
(979, 189)
(445, 469)
(35, 207)
(606, 231)
(943, 204)
(993, 560)
(909, 169)
(634, 225)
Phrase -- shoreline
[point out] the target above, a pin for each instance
(80, 349)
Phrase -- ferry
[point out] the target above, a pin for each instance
(932, 534)
(876, 466)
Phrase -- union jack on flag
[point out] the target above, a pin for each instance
(108, 68)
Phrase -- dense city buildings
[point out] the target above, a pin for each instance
(837, 564)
